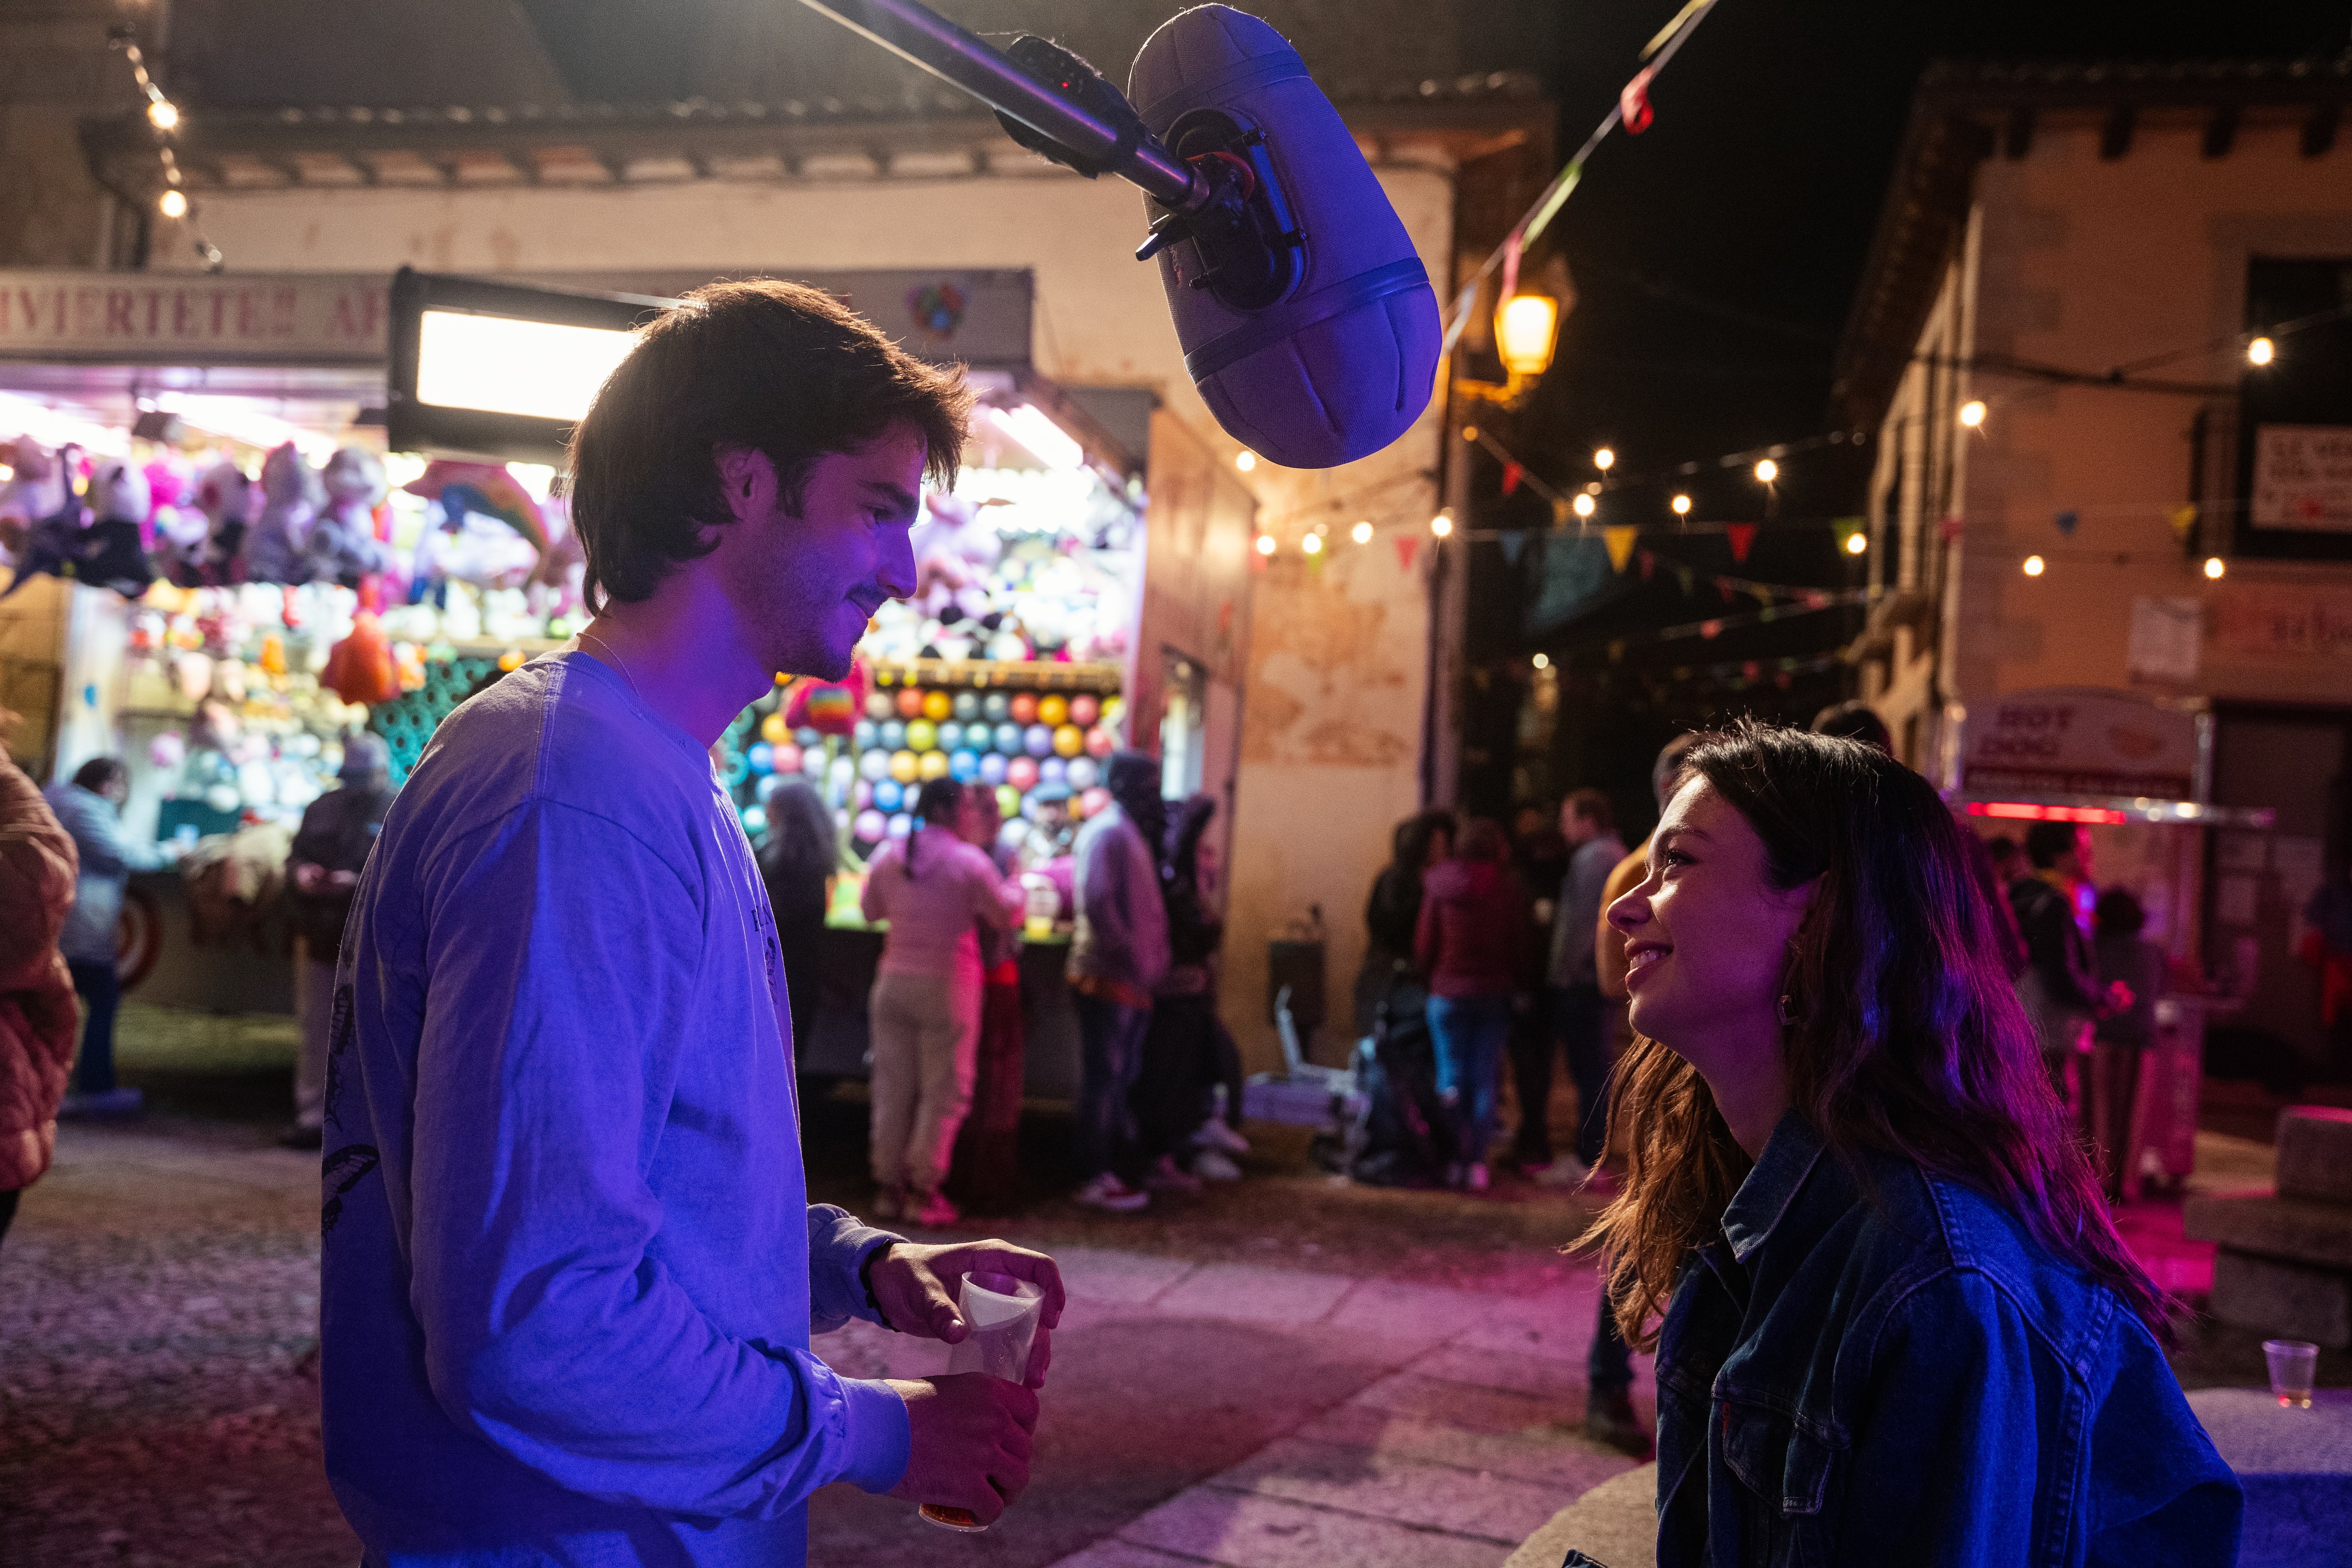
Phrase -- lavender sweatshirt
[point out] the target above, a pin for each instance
(571, 1269)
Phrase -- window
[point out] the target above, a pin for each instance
(2294, 454)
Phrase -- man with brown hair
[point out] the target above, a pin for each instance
(571, 1270)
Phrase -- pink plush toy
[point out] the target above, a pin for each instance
(342, 546)
(291, 497)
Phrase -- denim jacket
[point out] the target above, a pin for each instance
(1908, 1377)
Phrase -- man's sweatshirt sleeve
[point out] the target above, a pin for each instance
(552, 1032)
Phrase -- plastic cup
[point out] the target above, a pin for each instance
(2294, 1364)
(1003, 1312)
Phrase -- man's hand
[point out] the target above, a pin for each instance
(918, 1286)
(307, 876)
(969, 1441)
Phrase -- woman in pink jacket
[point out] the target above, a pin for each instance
(38, 866)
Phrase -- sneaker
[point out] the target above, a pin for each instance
(1107, 1192)
(933, 1209)
(1215, 1134)
(113, 1105)
(1214, 1165)
(889, 1203)
(1609, 1420)
(1478, 1180)
(1167, 1177)
(1571, 1172)
(300, 1137)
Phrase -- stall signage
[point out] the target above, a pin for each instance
(2278, 624)
(2303, 477)
(2066, 741)
(162, 318)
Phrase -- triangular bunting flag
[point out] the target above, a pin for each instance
(2183, 519)
(1751, 670)
(1407, 548)
(1513, 472)
(1710, 629)
(1620, 541)
(1950, 529)
(1723, 587)
(1559, 512)
(1514, 543)
(1617, 651)
(1685, 577)
(2066, 521)
(1742, 535)
(1649, 562)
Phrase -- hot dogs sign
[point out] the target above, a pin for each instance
(2066, 740)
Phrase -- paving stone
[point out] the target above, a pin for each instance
(1099, 1275)
(1245, 1531)
(2314, 1153)
(1395, 1310)
(1466, 1406)
(1557, 1457)
(1116, 1553)
(1282, 1296)
(1507, 1371)
(1501, 1509)
(1616, 1522)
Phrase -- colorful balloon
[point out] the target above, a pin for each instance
(1025, 708)
(1008, 738)
(867, 735)
(937, 705)
(887, 795)
(1101, 741)
(1038, 742)
(862, 795)
(755, 821)
(967, 706)
(1084, 709)
(893, 735)
(996, 708)
(1054, 709)
(991, 768)
(963, 766)
(874, 766)
(1070, 741)
(773, 730)
(1021, 774)
(878, 706)
(1093, 801)
(1053, 770)
(840, 772)
(1084, 775)
(812, 763)
(922, 736)
(905, 767)
(950, 736)
(1008, 806)
(762, 757)
(910, 703)
(901, 825)
(933, 765)
(869, 828)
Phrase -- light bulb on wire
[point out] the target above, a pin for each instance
(1972, 413)
(1604, 459)
(1312, 544)
(164, 114)
(172, 204)
(2215, 566)
(1245, 459)
(1362, 534)
(1682, 505)
(1441, 525)
(2262, 351)
(1265, 545)
(1857, 543)
(1583, 506)
(2034, 566)
(1767, 471)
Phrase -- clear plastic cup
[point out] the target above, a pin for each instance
(1003, 1312)
(2295, 1366)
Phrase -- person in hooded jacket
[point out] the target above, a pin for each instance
(1469, 940)
(37, 868)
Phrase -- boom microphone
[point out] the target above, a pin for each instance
(1308, 319)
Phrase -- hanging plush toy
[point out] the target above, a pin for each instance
(342, 546)
(361, 667)
(226, 497)
(491, 532)
(830, 708)
(110, 553)
(38, 491)
(50, 543)
(291, 497)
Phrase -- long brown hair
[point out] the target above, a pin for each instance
(1909, 1039)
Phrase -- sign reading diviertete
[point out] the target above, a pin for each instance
(2303, 477)
(2077, 741)
(193, 318)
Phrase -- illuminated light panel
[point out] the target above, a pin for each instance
(501, 365)
(2027, 811)
(1048, 442)
(239, 420)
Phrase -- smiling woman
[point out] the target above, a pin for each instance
(1898, 1325)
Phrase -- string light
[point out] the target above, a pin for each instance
(1972, 413)
(2034, 566)
(2262, 351)
(164, 114)
(1542, 662)
(1312, 544)
(1245, 461)
(1682, 506)
(1265, 544)
(1584, 505)
(1767, 471)
(1604, 459)
(2215, 566)
(1362, 534)
(1441, 525)
(1857, 543)
(172, 204)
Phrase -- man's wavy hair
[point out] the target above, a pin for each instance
(775, 367)
(1908, 1040)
